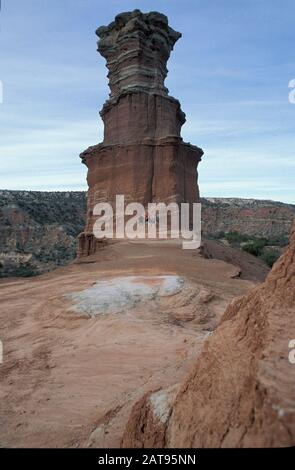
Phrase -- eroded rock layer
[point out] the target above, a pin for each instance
(241, 390)
(142, 156)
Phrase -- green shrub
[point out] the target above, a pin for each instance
(25, 270)
(279, 240)
(236, 238)
(255, 247)
(270, 257)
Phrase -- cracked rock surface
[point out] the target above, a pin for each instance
(69, 379)
(241, 389)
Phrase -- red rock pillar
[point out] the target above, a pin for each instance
(142, 155)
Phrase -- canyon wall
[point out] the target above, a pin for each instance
(254, 217)
(39, 229)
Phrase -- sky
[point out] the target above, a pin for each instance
(230, 70)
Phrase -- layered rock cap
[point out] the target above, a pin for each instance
(137, 47)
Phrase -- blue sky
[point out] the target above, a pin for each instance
(230, 71)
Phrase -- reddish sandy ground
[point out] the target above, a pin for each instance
(68, 380)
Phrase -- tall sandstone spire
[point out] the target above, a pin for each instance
(142, 155)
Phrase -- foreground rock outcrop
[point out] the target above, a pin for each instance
(241, 389)
(82, 344)
(142, 156)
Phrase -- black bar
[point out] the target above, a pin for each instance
(132, 458)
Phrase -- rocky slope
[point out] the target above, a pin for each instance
(39, 229)
(83, 343)
(247, 216)
(241, 389)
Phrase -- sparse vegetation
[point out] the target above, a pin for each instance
(236, 238)
(270, 256)
(255, 246)
(268, 249)
(39, 230)
(25, 270)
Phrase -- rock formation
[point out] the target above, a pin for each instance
(142, 155)
(254, 217)
(241, 390)
(72, 372)
(39, 229)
